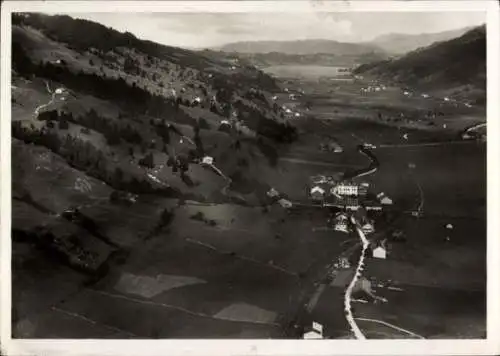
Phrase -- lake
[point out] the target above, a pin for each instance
(307, 71)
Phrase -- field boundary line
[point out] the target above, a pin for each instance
(79, 316)
(170, 306)
(391, 326)
(244, 258)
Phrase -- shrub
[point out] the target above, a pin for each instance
(198, 216)
(63, 124)
(203, 124)
(147, 161)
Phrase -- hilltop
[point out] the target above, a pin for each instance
(456, 67)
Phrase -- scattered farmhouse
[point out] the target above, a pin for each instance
(285, 203)
(315, 332)
(207, 160)
(317, 193)
(367, 228)
(272, 193)
(384, 199)
(341, 223)
(379, 251)
(331, 146)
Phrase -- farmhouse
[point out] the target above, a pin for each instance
(315, 332)
(317, 193)
(285, 203)
(207, 160)
(331, 146)
(367, 228)
(379, 252)
(272, 193)
(386, 201)
(363, 188)
(341, 223)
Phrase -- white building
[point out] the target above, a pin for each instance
(386, 201)
(316, 332)
(346, 189)
(367, 228)
(285, 203)
(341, 224)
(207, 160)
(379, 252)
(317, 192)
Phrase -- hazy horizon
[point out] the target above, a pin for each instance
(212, 30)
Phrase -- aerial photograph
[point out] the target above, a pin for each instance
(248, 175)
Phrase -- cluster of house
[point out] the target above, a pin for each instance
(239, 125)
(343, 194)
(289, 113)
(374, 88)
(352, 196)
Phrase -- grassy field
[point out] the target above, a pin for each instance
(303, 71)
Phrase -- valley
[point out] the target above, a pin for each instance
(142, 204)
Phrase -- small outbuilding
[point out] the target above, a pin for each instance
(207, 160)
(285, 203)
(379, 252)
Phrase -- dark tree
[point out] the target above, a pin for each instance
(147, 161)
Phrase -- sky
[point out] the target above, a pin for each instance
(208, 30)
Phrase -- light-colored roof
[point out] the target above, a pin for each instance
(317, 189)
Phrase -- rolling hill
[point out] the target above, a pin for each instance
(302, 47)
(105, 119)
(456, 66)
(399, 43)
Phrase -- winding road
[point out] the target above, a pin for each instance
(357, 274)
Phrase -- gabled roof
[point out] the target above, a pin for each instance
(317, 189)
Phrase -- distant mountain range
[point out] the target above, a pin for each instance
(398, 43)
(329, 52)
(459, 64)
(301, 47)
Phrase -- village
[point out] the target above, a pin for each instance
(351, 204)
